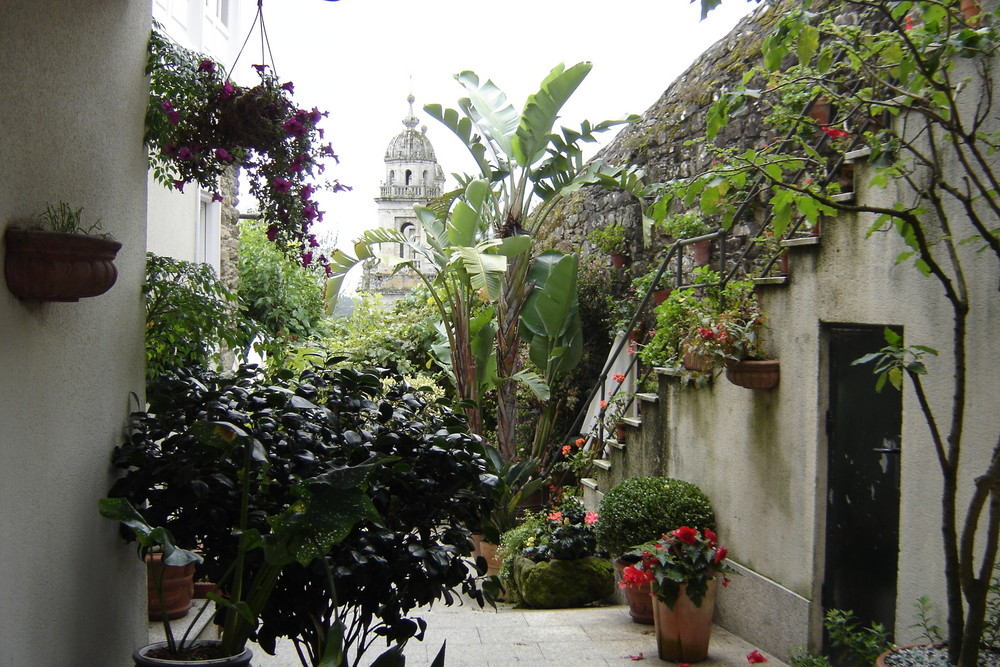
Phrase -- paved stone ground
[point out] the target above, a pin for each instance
(591, 636)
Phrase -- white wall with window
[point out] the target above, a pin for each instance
(187, 225)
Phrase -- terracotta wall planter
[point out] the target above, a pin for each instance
(45, 266)
(754, 374)
(618, 260)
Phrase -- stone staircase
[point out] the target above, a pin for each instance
(643, 448)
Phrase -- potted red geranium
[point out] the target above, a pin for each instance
(682, 569)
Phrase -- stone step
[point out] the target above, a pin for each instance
(648, 397)
(590, 483)
(615, 444)
(771, 280)
(603, 464)
(844, 197)
(800, 241)
(859, 154)
(634, 422)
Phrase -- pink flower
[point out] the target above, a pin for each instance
(579, 442)
(227, 91)
(633, 577)
(306, 192)
(555, 516)
(299, 163)
(604, 404)
(618, 377)
(686, 535)
(294, 127)
(281, 185)
(309, 211)
(223, 155)
(567, 449)
(755, 656)
(207, 66)
(216, 196)
(590, 518)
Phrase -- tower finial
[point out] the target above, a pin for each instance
(411, 120)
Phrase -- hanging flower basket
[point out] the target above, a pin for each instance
(51, 266)
(754, 373)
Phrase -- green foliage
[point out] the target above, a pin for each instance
(610, 238)
(62, 219)
(800, 657)
(683, 225)
(893, 360)
(191, 317)
(512, 544)
(859, 644)
(267, 474)
(641, 509)
(683, 557)
(397, 338)
(284, 298)
(568, 533)
(930, 631)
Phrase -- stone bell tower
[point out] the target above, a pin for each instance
(412, 177)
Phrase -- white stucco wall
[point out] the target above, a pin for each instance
(72, 116)
(761, 455)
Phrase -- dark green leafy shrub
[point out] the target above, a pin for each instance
(430, 486)
(641, 509)
(512, 543)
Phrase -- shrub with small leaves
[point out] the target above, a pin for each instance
(641, 509)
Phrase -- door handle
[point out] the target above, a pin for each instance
(891, 447)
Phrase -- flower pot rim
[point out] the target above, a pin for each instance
(140, 653)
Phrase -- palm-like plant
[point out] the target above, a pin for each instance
(477, 240)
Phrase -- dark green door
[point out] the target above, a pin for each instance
(862, 511)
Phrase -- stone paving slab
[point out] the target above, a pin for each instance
(591, 636)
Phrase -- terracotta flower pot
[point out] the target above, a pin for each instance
(640, 600)
(970, 8)
(683, 633)
(702, 252)
(46, 266)
(489, 552)
(178, 588)
(661, 295)
(618, 260)
(754, 374)
(620, 432)
(821, 111)
(694, 361)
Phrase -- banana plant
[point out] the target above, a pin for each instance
(478, 240)
(550, 325)
(529, 167)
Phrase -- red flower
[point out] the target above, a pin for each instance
(686, 535)
(567, 449)
(579, 442)
(555, 516)
(618, 377)
(633, 577)
(590, 518)
(755, 656)
(834, 133)
(710, 536)
(604, 404)
(720, 555)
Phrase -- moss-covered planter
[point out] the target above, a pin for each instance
(558, 584)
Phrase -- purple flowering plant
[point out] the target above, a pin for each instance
(199, 124)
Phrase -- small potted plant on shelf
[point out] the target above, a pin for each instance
(612, 240)
(682, 568)
(687, 226)
(638, 510)
(562, 565)
(59, 257)
(731, 336)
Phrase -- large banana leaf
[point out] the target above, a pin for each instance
(463, 128)
(548, 310)
(467, 218)
(541, 111)
(490, 111)
(484, 266)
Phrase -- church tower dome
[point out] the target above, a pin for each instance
(412, 177)
(411, 169)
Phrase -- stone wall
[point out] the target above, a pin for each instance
(658, 142)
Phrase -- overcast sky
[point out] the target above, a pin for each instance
(359, 59)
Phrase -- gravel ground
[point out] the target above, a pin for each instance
(934, 655)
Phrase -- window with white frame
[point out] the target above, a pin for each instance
(208, 234)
